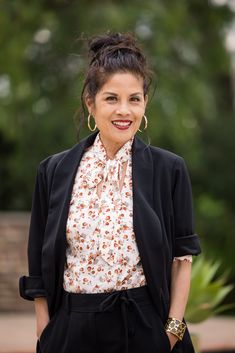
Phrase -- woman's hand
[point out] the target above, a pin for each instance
(172, 338)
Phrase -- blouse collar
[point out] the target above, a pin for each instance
(121, 155)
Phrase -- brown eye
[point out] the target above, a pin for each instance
(111, 98)
(135, 99)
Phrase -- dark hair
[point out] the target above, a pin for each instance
(111, 53)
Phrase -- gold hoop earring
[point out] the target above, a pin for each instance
(88, 123)
(145, 123)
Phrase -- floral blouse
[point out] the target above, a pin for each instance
(102, 253)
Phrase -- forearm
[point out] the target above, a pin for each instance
(180, 285)
(42, 314)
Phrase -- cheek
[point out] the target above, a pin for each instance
(139, 115)
(103, 112)
(102, 120)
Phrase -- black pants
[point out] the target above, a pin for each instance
(118, 322)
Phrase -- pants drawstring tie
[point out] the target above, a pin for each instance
(127, 304)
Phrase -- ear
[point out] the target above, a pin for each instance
(146, 100)
(89, 104)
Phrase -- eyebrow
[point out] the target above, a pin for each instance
(115, 94)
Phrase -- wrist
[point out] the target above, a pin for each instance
(175, 327)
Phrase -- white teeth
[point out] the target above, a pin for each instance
(119, 123)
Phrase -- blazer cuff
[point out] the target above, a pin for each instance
(187, 245)
(31, 287)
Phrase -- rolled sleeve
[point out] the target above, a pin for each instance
(186, 240)
(31, 287)
(186, 245)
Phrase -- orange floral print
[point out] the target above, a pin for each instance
(102, 254)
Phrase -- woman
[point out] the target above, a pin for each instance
(111, 236)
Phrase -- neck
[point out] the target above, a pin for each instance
(111, 147)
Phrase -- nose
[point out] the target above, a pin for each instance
(123, 109)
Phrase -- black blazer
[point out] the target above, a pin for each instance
(162, 220)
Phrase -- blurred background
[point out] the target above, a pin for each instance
(190, 45)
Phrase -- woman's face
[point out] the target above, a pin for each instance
(118, 108)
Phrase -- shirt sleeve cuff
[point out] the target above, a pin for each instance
(188, 258)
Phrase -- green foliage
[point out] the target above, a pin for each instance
(207, 292)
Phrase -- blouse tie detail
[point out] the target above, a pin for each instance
(106, 169)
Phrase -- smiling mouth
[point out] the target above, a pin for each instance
(122, 123)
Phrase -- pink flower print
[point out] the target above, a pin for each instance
(84, 183)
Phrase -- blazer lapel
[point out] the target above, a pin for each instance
(147, 225)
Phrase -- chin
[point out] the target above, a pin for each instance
(124, 138)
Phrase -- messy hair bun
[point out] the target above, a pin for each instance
(103, 41)
(105, 46)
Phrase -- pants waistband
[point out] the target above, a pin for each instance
(99, 302)
(96, 302)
